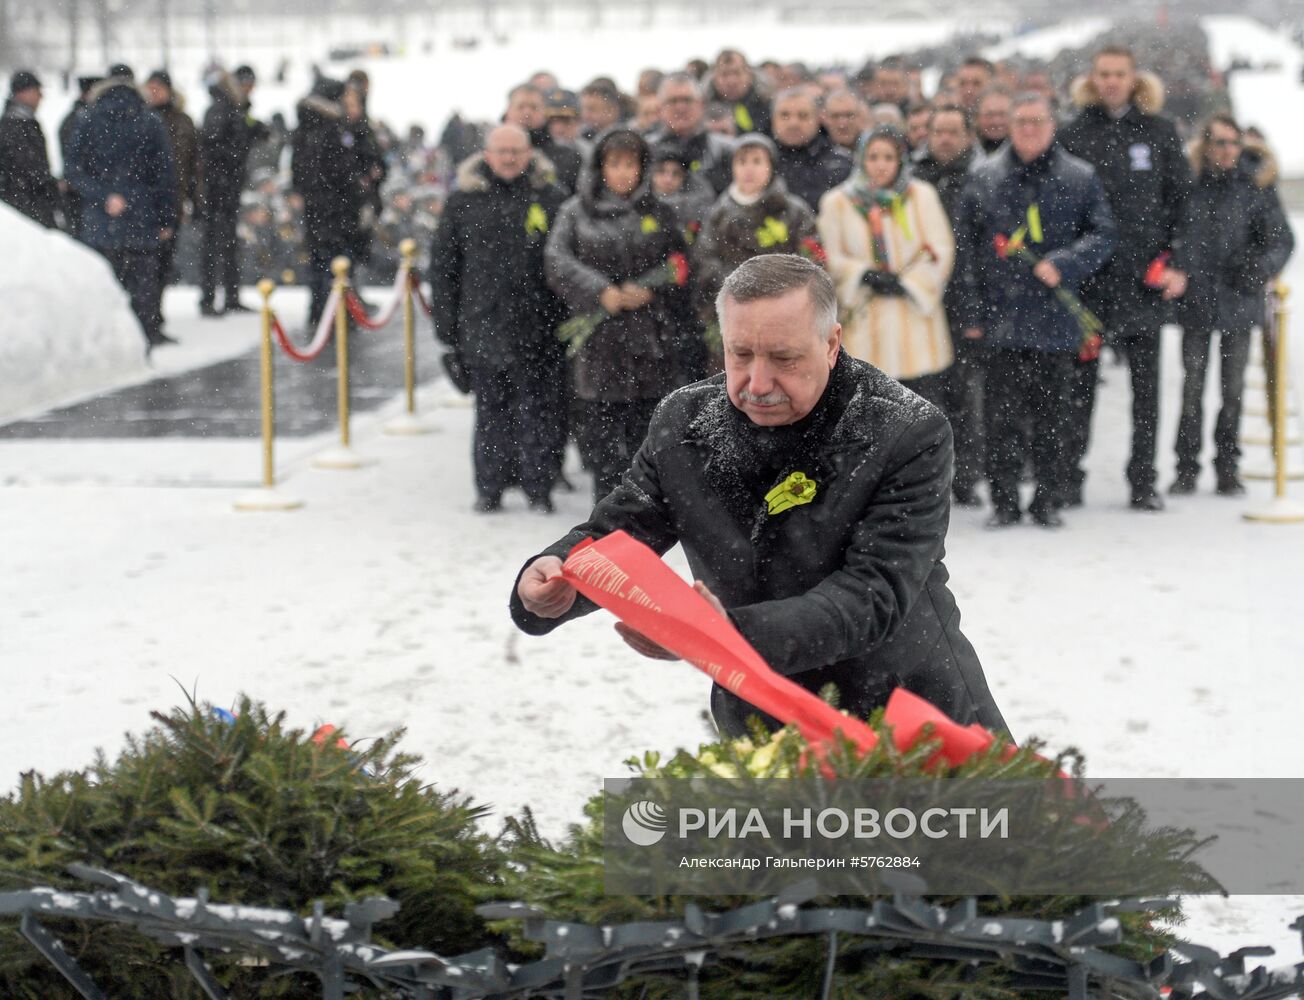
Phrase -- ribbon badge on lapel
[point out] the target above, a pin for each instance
(648, 224)
(536, 219)
(792, 492)
(772, 233)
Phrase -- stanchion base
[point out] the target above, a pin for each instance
(267, 498)
(339, 457)
(1282, 510)
(1267, 472)
(409, 423)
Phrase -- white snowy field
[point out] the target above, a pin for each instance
(1158, 645)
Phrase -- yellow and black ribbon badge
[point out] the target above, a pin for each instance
(536, 219)
(773, 232)
(792, 492)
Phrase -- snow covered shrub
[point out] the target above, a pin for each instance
(259, 814)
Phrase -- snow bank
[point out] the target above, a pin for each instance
(69, 327)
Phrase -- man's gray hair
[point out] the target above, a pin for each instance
(1026, 97)
(800, 92)
(680, 79)
(773, 274)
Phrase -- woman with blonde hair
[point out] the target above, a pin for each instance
(890, 250)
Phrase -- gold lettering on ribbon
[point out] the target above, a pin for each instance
(598, 571)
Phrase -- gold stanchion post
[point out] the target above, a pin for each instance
(1282, 510)
(343, 456)
(267, 498)
(408, 423)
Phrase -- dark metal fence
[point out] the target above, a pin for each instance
(1062, 957)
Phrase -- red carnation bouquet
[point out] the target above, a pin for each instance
(811, 249)
(577, 330)
(1012, 248)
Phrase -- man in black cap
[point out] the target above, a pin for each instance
(25, 179)
(185, 165)
(225, 138)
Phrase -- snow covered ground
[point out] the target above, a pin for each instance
(1160, 646)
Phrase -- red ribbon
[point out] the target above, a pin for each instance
(421, 296)
(627, 578)
(359, 312)
(283, 339)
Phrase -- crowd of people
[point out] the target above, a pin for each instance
(209, 202)
(981, 242)
(982, 239)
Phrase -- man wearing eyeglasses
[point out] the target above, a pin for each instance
(1033, 192)
(1140, 160)
(682, 112)
(492, 307)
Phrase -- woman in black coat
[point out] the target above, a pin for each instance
(1234, 240)
(606, 238)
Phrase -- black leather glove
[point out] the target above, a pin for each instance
(882, 282)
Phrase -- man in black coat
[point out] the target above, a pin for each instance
(527, 108)
(733, 83)
(72, 202)
(120, 161)
(948, 156)
(848, 588)
(326, 175)
(809, 163)
(683, 114)
(1139, 158)
(184, 141)
(1236, 238)
(25, 179)
(228, 133)
(492, 305)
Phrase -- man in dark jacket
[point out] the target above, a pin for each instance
(25, 179)
(734, 84)
(848, 588)
(1235, 238)
(809, 163)
(1140, 160)
(528, 109)
(228, 133)
(326, 176)
(184, 143)
(948, 157)
(1056, 201)
(72, 202)
(120, 162)
(492, 306)
(682, 122)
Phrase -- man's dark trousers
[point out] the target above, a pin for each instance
(1026, 388)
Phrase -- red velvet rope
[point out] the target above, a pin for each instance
(421, 297)
(359, 312)
(283, 339)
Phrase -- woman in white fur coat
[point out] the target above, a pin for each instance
(890, 250)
